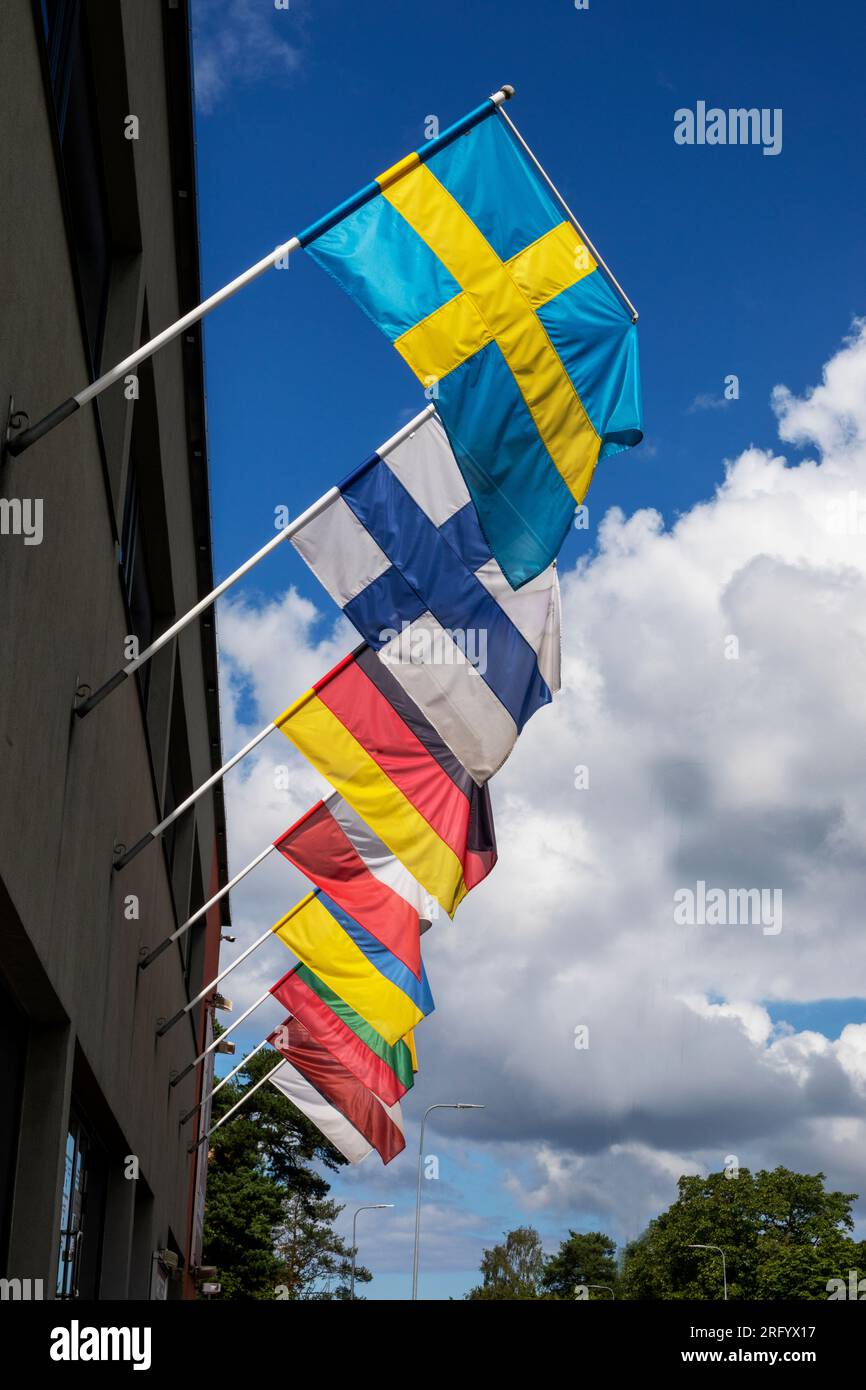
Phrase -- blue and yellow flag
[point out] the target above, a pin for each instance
(357, 967)
(466, 262)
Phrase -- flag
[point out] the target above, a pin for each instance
(385, 1069)
(355, 966)
(338, 1104)
(466, 262)
(342, 856)
(361, 730)
(332, 1123)
(401, 551)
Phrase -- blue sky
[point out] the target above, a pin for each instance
(738, 263)
(721, 249)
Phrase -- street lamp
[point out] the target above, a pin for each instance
(443, 1105)
(371, 1206)
(721, 1252)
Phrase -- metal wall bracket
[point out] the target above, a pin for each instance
(16, 421)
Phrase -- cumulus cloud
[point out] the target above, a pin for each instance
(705, 400)
(713, 678)
(240, 42)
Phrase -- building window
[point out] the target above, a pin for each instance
(70, 73)
(81, 1214)
(178, 840)
(196, 936)
(134, 571)
(13, 1050)
(169, 804)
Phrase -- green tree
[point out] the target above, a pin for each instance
(803, 1236)
(315, 1262)
(242, 1209)
(259, 1177)
(782, 1234)
(588, 1258)
(803, 1271)
(513, 1269)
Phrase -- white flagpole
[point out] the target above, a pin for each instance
(263, 854)
(227, 1116)
(240, 1066)
(170, 1022)
(129, 854)
(19, 442)
(126, 671)
(91, 701)
(224, 1034)
(190, 921)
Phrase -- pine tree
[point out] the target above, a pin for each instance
(260, 1186)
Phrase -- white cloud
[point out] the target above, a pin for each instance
(705, 400)
(241, 42)
(744, 773)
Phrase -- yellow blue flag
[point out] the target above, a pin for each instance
(466, 261)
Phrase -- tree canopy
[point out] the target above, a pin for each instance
(268, 1221)
(513, 1269)
(784, 1236)
(582, 1260)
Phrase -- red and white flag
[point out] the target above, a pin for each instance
(351, 1116)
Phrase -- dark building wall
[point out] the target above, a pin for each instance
(71, 789)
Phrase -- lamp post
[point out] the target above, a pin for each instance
(442, 1105)
(721, 1252)
(371, 1206)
